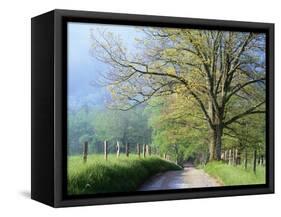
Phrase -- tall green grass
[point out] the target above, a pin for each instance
(235, 175)
(114, 175)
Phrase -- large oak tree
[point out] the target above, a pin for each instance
(221, 73)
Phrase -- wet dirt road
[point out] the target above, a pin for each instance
(189, 177)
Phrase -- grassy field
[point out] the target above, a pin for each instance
(114, 175)
(235, 175)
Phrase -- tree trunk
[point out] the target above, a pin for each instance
(212, 133)
(212, 145)
(215, 142)
(219, 132)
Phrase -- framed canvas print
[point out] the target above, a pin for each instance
(130, 108)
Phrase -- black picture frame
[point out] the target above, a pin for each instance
(49, 101)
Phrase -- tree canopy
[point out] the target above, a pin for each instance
(206, 81)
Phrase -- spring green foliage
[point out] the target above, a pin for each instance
(235, 175)
(191, 94)
(247, 135)
(177, 128)
(114, 175)
(208, 81)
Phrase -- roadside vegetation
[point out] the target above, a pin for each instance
(235, 175)
(121, 174)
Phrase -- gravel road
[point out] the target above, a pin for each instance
(189, 177)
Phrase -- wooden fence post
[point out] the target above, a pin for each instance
(143, 149)
(138, 150)
(236, 156)
(262, 160)
(127, 149)
(85, 151)
(105, 149)
(255, 161)
(117, 149)
(229, 156)
(147, 150)
(225, 155)
(246, 160)
(233, 156)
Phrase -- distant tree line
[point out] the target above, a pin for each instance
(97, 124)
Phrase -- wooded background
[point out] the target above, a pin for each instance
(196, 95)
